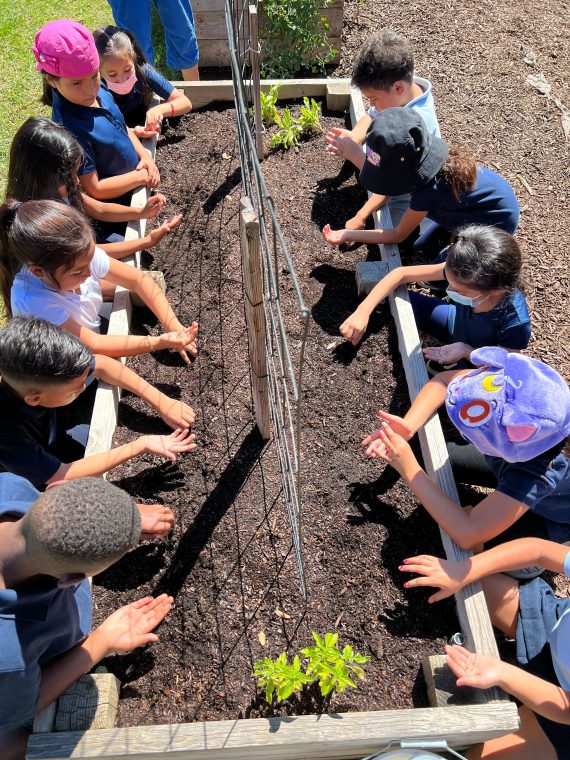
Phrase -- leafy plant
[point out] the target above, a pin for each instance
(331, 667)
(295, 34)
(269, 113)
(289, 132)
(280, 678)
(309, 119)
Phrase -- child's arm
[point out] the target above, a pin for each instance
(374, 203)
(467, 527)
(97, 464)
(112, 187)
(127, 247)
(355, 326)
(408, 224)
(358, 132)
(116, 212)
(484, 671)
(177, 414)
(452, 575)
(341, 143)
(146, 161)
(176, 105)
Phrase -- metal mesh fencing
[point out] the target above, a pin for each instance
(284, 357)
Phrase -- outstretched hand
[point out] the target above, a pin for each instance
(335, 237)
(131, 626)
(176, 413)
(398, 425)
(354, 327)
(168, 446)
(447, 354)
(183, 340)
(166, 227)
(393, 449)
(447, 575)
(479, 670)
(156, 521)
(338, 142)
(153, 205)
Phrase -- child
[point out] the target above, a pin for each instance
(384, 73)
(540, 622)
(50, 268)
(49, 544)
(483, 270)
(44, 161)
(115, 162)
(446, 185)
(133, 81)
(516, 412)
(43, 368)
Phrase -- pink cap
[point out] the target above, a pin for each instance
(65, 49)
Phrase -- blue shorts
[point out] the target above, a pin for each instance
(539, 610)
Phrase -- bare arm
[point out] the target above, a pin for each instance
(111, 187)
(116, 212)
(358, 132)
(127, 247)
(408, 223)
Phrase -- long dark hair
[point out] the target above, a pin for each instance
(460, 169)
(114, 41)
(43, 156)
(49, 234)
(485, 258)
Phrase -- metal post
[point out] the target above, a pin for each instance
(255, 79)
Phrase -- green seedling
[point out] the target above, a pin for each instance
(269, 113)
(289, 131)
(280, 678)
(333, 669)
(309, 119)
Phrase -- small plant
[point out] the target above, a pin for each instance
(331, 667)
(327, 665)
(289, 132)
(309, 119)
(280, 678)
(269, 113)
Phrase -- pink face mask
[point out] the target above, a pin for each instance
(123, 88)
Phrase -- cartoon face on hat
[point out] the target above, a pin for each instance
(65, 49)
(511, 406)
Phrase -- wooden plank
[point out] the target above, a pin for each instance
(204, 93)
(216, 52)
(326, 737)
(471, 606)
(202, 6)
(442, 686)
(211, 25)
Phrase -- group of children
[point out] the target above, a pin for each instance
(61, 238)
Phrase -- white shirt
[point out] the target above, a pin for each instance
(31, 297)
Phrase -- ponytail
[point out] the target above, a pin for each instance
(49, 234)
(460, 170)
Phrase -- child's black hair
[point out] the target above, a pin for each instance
(43, 156)
(485, 258)
(385, 58)
(111, 40)
(36, 350)
(49, 234)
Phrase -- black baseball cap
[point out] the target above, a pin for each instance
(401, 155)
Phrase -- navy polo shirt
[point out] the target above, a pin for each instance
(101, 132)
(491, 202)
(38, 621)
(507, 325)
(132, 105)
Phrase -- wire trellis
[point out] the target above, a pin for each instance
(285, 369)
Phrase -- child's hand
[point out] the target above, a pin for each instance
(176, 414)
(445, 574)
(153, 205)
(394, 450)
(157, 234)
(154, 117)
(338, 142)
(357, 222)
(168, 446)
(479, 670)
(130, 626)
(354, 327)
(151, 168)
(143, 133)
(156, 520)
(398, 425)
(183, 341)
(335, 237)
(448, 354)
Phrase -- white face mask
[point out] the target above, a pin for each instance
(465, 300)
(123, 88)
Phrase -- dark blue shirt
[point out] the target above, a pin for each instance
(101, 132)
(38, 621)
(132, 105)
(491, 202)
(543, 485)
(507, 325)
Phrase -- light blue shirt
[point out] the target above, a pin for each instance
(423, 104)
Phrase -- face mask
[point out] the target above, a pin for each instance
(465, 300)
(123, 88)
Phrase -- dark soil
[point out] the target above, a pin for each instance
(229, 561)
